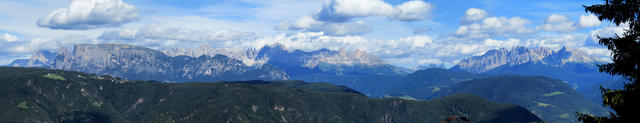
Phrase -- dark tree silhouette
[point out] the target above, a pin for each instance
(626, 61)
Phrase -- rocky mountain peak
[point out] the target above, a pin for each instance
(40, 58)
(520, 55)
(248, 57)
(141, 63)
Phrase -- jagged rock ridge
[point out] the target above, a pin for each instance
(140, 63)
(521, 55)
(297, 62)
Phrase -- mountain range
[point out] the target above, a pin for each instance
(140, 63)
(567, 69)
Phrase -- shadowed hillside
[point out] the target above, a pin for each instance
(32, 95)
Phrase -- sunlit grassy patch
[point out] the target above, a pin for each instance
(407, 97)
(542, 104)
(23, 105)
(564, 115)
(54, 76)
(97, 104)
(553, 93)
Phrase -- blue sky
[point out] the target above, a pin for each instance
(402, 32)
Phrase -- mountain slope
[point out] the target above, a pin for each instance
(41, 95)
(428, 83)
(575, 67)
(550, 99)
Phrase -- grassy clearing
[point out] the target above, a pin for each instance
(564, 115)
(541, 104)
(23, 105)
(54, 76)
(553, 93)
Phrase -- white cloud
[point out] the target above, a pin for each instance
(8, 37)
(29, 46)
(90, 14)
(474, 14)
(412, 11)
(495, 27)
(345, 10)
(558, 23)
(307, 23)
(589, 21)
(179, 34)
(605, 32)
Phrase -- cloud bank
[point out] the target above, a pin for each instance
(307, 23)
(177, 34)
(492, 27)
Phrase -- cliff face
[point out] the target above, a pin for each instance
(521, 55)
(140, 63)
(248, 57)
(297, 62)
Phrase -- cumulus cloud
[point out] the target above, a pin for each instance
(412, 11)
(558, 23)
(90, 14)
(589, 21)
(177, 34)
(8, 37)
(495, 27)
(307, 23)
(474, 14)
(345, 10)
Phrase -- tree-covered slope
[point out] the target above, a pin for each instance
(550, 99)
(32, 95)
(429, 83)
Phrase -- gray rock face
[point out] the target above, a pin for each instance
(140, 63)
(248, 57)
(521, 55)
(297, 62)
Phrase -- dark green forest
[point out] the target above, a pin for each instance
(43, 95)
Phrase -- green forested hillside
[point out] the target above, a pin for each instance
(550, 99)
(41, 95)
